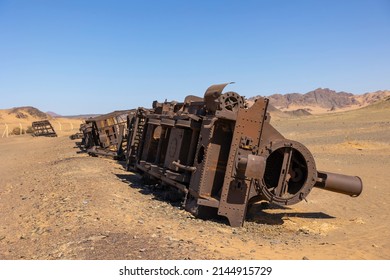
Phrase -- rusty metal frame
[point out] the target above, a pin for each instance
(105, 135)
(43, 128)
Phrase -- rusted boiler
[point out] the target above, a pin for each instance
(223, 155)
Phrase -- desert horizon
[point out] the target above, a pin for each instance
(57, 204)
(156, 133)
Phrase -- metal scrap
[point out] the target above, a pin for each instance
(43, 128)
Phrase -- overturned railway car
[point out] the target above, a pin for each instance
(105, 135)
(224, 156)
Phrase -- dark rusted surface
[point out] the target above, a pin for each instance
(43, 128)
(105, 135)
(223, 155)
(78, 135)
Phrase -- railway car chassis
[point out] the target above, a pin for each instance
(224, 155)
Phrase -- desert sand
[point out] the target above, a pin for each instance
(58, 203)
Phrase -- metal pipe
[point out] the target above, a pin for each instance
(349, 185)
(184, 167)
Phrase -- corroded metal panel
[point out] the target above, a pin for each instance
(43, 128)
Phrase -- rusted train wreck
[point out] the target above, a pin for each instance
(43, 128)
(223, 155)
(105, 135)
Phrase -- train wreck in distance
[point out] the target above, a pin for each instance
(43, 128)
(105, 135)
(222, 155)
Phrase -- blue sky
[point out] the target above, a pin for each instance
(74, 57)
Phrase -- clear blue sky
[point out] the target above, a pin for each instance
(75, 57)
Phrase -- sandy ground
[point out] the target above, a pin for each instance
(57, 203)
(62, 126)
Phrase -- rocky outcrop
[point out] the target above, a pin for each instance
(325, 98)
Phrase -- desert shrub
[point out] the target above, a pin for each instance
(16, 131)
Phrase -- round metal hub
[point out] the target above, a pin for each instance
(290, 173)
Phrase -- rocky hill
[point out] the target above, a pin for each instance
(323, 100)
(320, 97)
(53, 114)
(28, 112)
(373, 97)
(379, 105)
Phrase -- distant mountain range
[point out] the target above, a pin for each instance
(83, 116)
(323, 99)
(317, 101)
(54, 115)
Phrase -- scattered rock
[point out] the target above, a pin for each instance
(96, 237)
(358, 221)
(304, 230)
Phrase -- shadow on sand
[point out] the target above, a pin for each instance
(260, 213)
